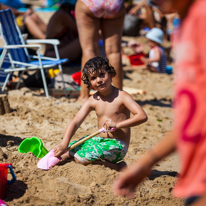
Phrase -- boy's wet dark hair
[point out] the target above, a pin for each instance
(96, 63)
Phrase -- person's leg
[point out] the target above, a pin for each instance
(112, 33)
(150, 17)
(88, 27)
(115, 166)
(152, 69)
(34, 28)
(67, 156)
(39, 21)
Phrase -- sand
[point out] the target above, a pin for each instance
(71, 183)
(74, 184)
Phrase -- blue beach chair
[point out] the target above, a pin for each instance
(5, 65)
(16, 49)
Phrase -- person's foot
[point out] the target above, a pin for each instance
(65, 156)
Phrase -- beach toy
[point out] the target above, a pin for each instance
(33, 145)
(3, 178)
(169, 69)
(77, 77)
(50, 161)
(2, 203)
(135, 59)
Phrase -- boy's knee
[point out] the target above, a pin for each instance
(83, 163)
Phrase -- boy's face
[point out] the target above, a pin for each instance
(100, 80)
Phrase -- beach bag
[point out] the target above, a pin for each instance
(131, 25)
(35, 80)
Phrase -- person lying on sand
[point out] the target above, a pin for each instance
(28, 22)
(113, 107)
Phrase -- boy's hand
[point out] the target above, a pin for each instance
(59, 150)
(144, 59)
(109, 124)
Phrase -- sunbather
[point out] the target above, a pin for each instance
(65, 31)
(29, 22)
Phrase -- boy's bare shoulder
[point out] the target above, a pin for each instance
(123, 93)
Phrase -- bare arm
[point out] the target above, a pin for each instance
(131, 177)
(139, 116)
(72, 128)
(137, 7)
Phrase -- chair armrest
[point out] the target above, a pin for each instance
(22, 46)
(44, 41)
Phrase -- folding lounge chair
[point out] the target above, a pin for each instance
(5, 65)
(16, 49)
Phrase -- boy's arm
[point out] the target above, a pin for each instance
(132, 176)
(72, 128)
(139, 116)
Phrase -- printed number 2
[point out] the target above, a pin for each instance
(193, 105)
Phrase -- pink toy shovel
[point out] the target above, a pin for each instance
(49, 161)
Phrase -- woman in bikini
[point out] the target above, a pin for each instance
(106, 16)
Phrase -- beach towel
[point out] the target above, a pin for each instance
(16, 4)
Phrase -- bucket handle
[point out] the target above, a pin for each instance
(10, 182)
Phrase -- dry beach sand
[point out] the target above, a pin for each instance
(71, 183)
(74, 184)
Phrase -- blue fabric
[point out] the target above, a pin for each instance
(11, 34)
(6, 64)
(50, 3)
(16, 4)
(49, 62)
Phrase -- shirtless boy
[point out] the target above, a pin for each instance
(113, 107)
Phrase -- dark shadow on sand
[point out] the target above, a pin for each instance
(156, 173)
(6, 140)
(156, 102)
(15, 191)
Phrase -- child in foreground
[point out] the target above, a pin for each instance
(188, 135)
(157, 60)
(113, 107)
